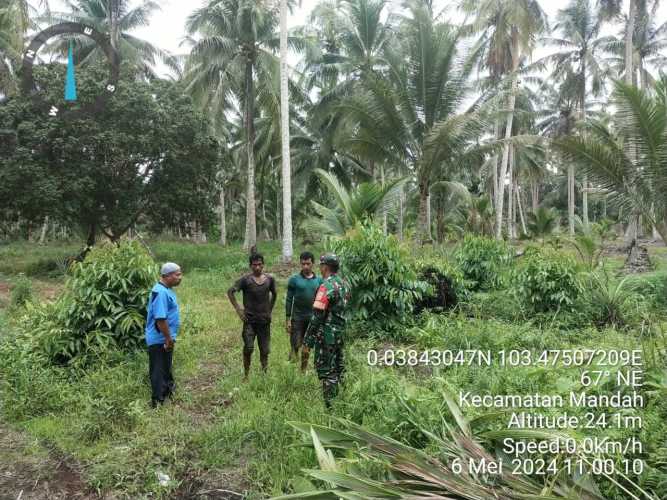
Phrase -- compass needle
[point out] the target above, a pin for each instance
(70, 83)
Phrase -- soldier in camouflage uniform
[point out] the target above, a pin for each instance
(325, 332)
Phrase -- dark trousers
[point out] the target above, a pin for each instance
(159, 371)
(299, 327)
(259, 331)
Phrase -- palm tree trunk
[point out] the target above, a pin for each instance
(285, 138)
(223, 218)
(266, 236)
(584, 206)
(114, 28)
(424, 213)
(401, 204)
(251, 216)
(584, 195)
(428, 215)
(661, 229)
(629, 44)
(496, 131)
(644, 85)
(570, 198)
(510, 196)
(535, 195)
(45, 226)
(500, 193)
(278, 221)
(520, 208)
(384, 212)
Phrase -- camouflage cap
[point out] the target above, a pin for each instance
(330, 258)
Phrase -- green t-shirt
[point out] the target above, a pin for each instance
(300, 296)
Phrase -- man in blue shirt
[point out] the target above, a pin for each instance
(162, 324)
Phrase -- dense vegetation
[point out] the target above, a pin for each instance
(481, 171)
(226, 435)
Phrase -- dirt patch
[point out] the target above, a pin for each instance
(4, 293)
(208, 401)
(29, 473)
(230, 484)
(48, 291)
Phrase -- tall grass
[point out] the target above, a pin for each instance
(220, 433)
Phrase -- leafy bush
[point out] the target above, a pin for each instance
(542, 223)
(547, 281)
(448, 286)
(652, 288)
(384, 286)
(21, 293)
(103, 306)
(609, 302)
(381, 401)
(28, 385)
(483, 261)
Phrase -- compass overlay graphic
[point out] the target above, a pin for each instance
(63, 108)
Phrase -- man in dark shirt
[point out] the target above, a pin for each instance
(301, 290)
(259, 297)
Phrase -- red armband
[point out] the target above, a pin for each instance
(321, 299)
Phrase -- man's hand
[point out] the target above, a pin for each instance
(288, 326)
(241, 313)
(168, 344)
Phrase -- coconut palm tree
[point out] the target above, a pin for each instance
(16, 18)
(650, 41)
(234, 48)
(542, 222)
(479, 216)
(352, 38)
(576, 64)
(408, 116)
(636, 177)
(9, 47)
(285, 138)
(119, 19)
(514, 26)
(611, 9)
(366, 200)
(352, 41)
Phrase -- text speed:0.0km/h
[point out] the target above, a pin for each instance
(434, 357)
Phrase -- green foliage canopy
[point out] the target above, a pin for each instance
(149, 153)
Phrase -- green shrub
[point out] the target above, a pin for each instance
(547, 281)
(652, 288)
(29, 387)
(103, 306)
(388, 403)
(483, 261)
(384, 287)
(21, 293)
(609, 302)
(495, 304)
(448, 285)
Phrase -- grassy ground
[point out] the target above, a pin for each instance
(219, 435)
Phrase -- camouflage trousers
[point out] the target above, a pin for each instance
(330, 367)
